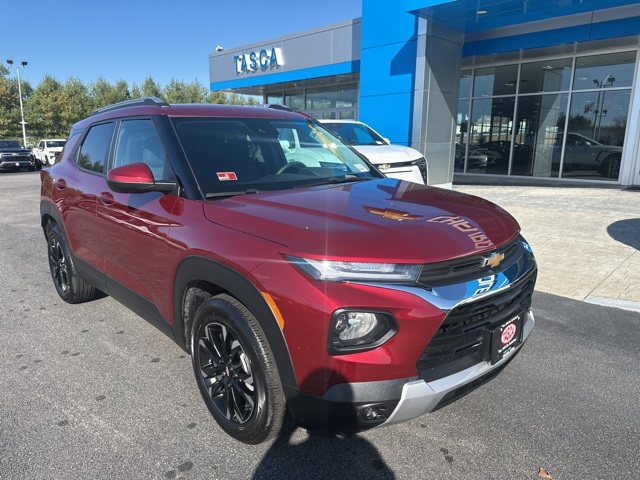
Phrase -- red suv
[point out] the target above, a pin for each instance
(302, 281)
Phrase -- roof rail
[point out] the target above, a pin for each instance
(132, 103)
(277, 106)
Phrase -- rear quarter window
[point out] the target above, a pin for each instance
(95, 148)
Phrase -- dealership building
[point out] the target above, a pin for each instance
(537, 89)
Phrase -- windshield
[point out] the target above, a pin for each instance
(246, 155)
(56, 143)
(10, 144)
(355, 133)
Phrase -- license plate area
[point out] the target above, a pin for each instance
(503, 339)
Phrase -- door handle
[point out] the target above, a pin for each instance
(106, 198)
(60, 184)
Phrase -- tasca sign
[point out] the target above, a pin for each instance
(258, 60)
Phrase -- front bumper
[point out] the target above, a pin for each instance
(353, 407)
(11, 165)
(420, 397)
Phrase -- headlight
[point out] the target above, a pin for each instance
(337, 271)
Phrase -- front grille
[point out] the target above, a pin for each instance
(15, 158)
(435, 274)
(461, 340)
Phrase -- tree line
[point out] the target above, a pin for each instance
(52, 107)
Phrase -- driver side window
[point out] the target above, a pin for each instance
(138, 142)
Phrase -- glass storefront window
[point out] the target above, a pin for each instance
(294, 100)
(600, 71)
(548, 76)
(274, 98)
(595, 134)
(539, 128)
(571, 119)
(491, 133)
(462, 130)
(335, 96)
(495, 81)
(465, 83)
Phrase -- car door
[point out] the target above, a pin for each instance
(134, 228)
(75, 188)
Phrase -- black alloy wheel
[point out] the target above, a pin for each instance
(58, 264)
(236, 372)
(69, 285)
(226, 372)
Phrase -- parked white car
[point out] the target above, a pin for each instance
(396, 161)
(48, 150)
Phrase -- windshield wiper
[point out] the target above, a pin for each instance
(334, 181)
(230, 194)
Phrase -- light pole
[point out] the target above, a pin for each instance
(597, 122)
(24, 130)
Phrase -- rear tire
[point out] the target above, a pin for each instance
(236, 371)
(69, 285)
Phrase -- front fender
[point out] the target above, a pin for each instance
(194, 268)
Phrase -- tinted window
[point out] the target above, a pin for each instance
(95, 148)
(356, 133)
(138, 142)
(252, 154)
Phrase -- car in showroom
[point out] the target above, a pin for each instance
(15, 157)
(585, 153)
(477, 159)
(326, 294)
(395, 161)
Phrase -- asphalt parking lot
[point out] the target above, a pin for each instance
(93, 391)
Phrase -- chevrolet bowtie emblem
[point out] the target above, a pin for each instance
(384, 166)
(393, 214)
(493, 261)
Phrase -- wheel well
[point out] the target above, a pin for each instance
(198, 279)
(195, 294)
(46, 220)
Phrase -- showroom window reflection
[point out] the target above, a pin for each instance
(514, 121)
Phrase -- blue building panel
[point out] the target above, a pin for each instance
(549, 38)
(388, 69)
(389, 115)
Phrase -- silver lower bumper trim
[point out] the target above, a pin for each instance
(419, 397)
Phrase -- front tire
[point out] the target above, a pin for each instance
(236, 372)
(69, 285)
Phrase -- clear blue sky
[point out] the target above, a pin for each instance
(134, 39)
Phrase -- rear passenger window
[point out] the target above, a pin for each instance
(95, 148)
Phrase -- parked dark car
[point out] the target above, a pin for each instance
(14, 157)
(326, 293)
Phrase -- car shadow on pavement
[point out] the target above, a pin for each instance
(626, 231)
(322, 457)
(337, 455)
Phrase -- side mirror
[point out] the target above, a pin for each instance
(136, 178)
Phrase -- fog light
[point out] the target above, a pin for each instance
(374, 413)
(355, 330)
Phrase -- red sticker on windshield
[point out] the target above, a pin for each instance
(226, 176)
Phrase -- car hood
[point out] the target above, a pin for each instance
(387, 220)
(379, 154)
